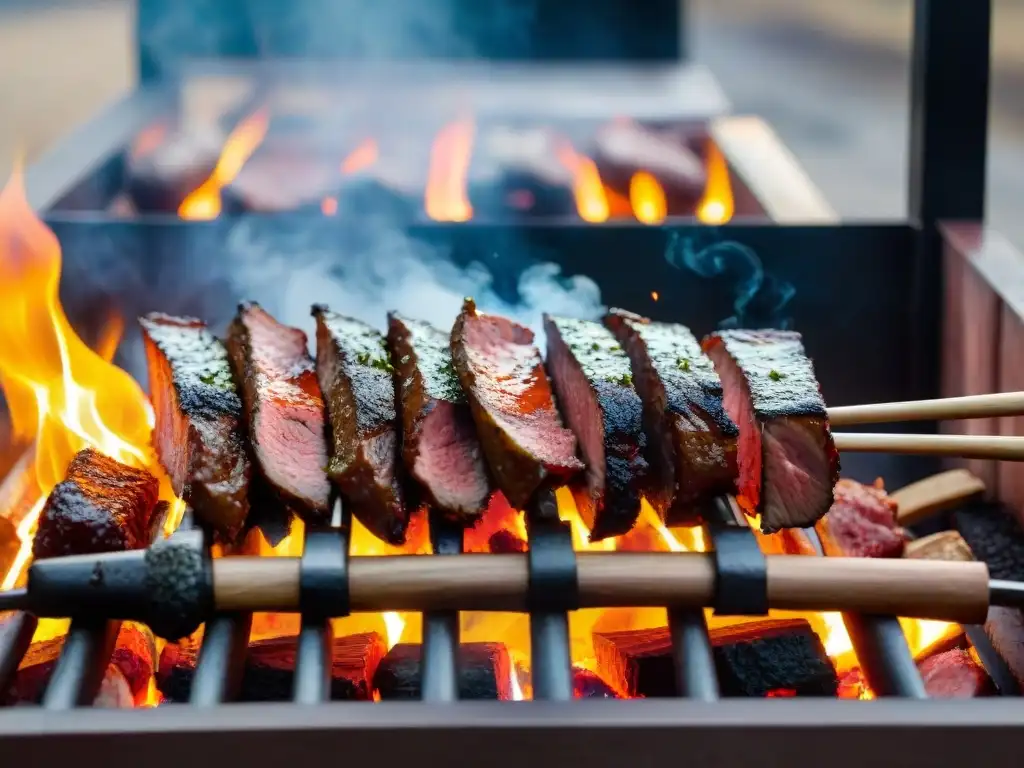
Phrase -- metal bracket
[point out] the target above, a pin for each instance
(552, 566)
(323, 575)
(741, 571)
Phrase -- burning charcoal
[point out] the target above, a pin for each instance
(356, 378)
(485, 672)
(592, 380)
(503, 377)
(587, 685)
(505, 542)
(758, 658)
(439, 442)
(944, 545)
(281, 177)
(284, 410)
(101, 506)
(861, 523)
(10, 544)
(199, 435)
(788, 461)
(624, 147)
(955, 675)
(519, 172)
(131, 667)
(269, 672)
(693, 440)
(159, 180)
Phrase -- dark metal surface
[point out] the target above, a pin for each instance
(696, 676)
(741, 570)
(82, 663)
(16, 630)
(221, 660)
(440, 671)
(997, 668)
(797, 733)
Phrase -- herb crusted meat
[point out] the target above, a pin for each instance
(693, 441)
(199, 435)
(439, 443)
(787, 459)
(356, 378)
(592, 380)
(510, 396)
(284, 410)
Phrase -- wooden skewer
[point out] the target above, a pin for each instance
(969, 407)
(931, 589)
(964, 446)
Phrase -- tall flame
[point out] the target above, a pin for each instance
(591, 198)
(647, 198)
(204, 203)
(717, 205)
(60, 393)
(446, 198)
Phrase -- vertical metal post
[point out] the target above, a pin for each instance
(440, 672)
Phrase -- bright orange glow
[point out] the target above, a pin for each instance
(360, 158)
(329, 206)
(61, 394)
(587, 188)
(204, 203)
(717, 205)
(647, 198)
(446, 198)
(654, 295)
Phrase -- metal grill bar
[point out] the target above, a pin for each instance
(313, 660)
(15, 637)
(83, 661)
(221, 659)
(440, 680)
(696, 677)
(994, 664)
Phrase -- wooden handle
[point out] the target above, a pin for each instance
(969, 407)
(965, 446)
(935, 494)
(948, 591)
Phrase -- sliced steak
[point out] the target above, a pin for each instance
(284, 411)
(356, 377)
(199, 434)
(693, 441)
(102, 505)
(509, 394)
(788, 463)
(439, 443)
(592, 380)
(861, 522)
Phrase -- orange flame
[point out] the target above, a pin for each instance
(591, 198)
(60, 393)
(360, 158)
(717, 205)
(204, 203)
(446, 198)
(647, 198)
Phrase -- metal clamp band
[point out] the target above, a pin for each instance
(741, 570)
(552, 566)
(323, 574)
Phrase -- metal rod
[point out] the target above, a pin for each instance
(221, 659)
(15, 637)
(550, 660)
(313, 660)
(83, 661)
(440, 680)
(994, 664)
(696, 677)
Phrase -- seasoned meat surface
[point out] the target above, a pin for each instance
(355, 373)
(594, 387)
(199, 434)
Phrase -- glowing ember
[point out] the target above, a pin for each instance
(591, 197)
(647, 198)
(61, 394)
(361, 158)
(446, 198)
(329, 206)
(204, 203)
(716, 206)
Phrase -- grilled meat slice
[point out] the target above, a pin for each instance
(284, 411)
(199, 435)
(592, 380)
(861, 522)
(356, 378)
(439, 443)
(102, 505)
(788, 462)
(693, 441)
(509, 394)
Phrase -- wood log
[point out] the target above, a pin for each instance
(131, 667)
(944, 545)
(935, 495)
(589, 685)
(159, 179)
(485, 672)
(955, 675)
(10, 544)
(269, 671)
(770, 657)
(505, 542)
